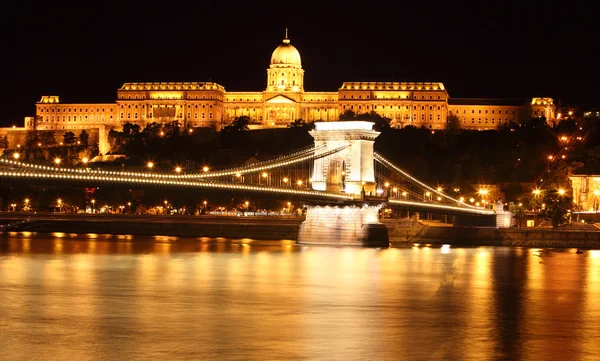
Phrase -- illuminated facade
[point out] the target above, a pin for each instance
(207, 104)
(586, 191)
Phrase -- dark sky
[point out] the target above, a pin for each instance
(83, 51)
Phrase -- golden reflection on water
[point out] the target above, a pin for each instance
(106, 297)
(591, 311)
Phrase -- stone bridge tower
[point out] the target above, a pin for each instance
(351, 169)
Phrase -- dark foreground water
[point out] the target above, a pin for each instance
(69, 297)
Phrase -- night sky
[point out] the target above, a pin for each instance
(84, 51)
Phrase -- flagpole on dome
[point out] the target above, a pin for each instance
(286, 40)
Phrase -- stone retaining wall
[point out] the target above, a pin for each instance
(546, 237)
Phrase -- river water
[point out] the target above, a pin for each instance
(93, 297)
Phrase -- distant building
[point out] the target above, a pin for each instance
(586, 191)
(208, 104)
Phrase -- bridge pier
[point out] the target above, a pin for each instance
(348, 225)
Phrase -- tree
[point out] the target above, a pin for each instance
(239, 124)
(381, 122)
(32, 138)
(556, 207)
(4, 142)
(302, 124)
(47, 138)
(69, 138)
(84, 138)
(453, 123)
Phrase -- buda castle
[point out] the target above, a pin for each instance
(208, 104)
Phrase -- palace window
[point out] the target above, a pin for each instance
(135, 115)
(210, 106)
(195, 115)
(210, 115)
(202, 115)
(203, 106)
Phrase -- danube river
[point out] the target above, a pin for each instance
(92, 297)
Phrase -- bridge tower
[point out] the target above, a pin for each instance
(351, 170)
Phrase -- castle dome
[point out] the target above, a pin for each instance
(286, 54)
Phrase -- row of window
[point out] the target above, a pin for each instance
(142, 97)
(457, 112)
(144, 106)
(400, 97)
(135, 115)
(65, 110)
(67, 118)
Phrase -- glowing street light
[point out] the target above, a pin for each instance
(178, 169)
(16, 155)
(150, 165)
(57, 161)
(404, 194)
(205, 169)
(264, 175)
(299, 182)
(561, 191)
(85, 160)
(483, 192)
(439, 189)
(285, 180)
(461, 199)
(536, 192)
(387, 184)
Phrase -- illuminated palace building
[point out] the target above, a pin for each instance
(207, 104)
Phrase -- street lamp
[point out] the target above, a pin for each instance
(16, 155)
(85, 160)
(561, 191)
(93, 203)
(178, 169)
(129, 205)
(150, 165)
(59, 202)
(57, 161)
(205, 169)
